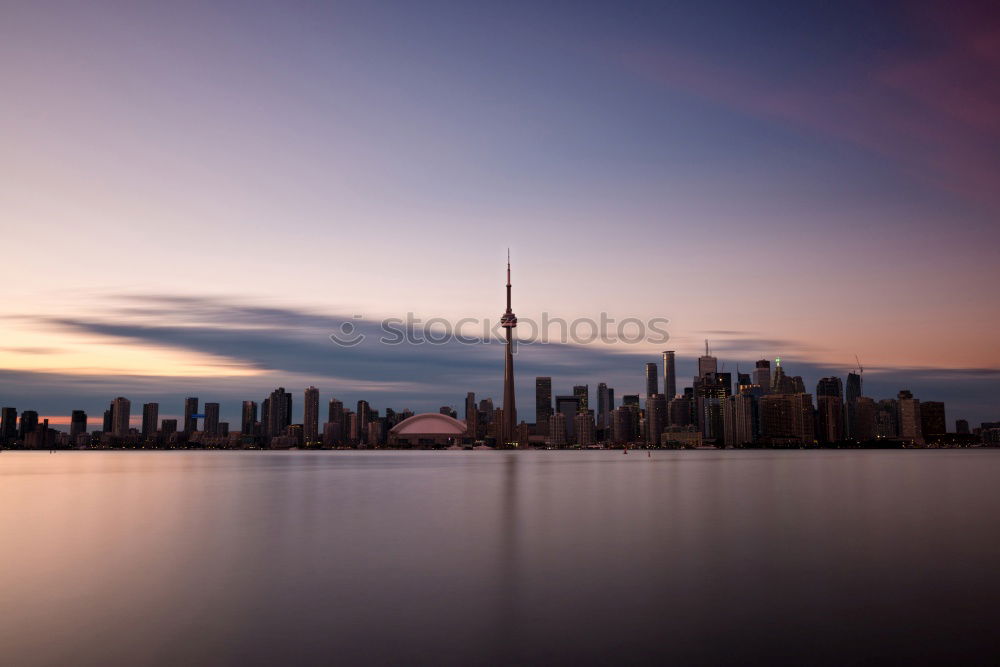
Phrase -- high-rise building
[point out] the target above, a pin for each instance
(853, 387)
(310, 416)
(364, 418)
(335, 412)
(582, 391)
(77, 424)
(604, 407)
(543, 404)
(739, 417)
(908, 409)
(8, 425)
(557, 430)
(508, 321)
(150, 419)
(279, 412)
(707, 364)
(762, 374)
(28, 424)
(679, 411)
(621, 425)
(831, 386)
(829, 414)
(669, 375)
(168, 427)
(190, 409)
(471, 416)
(583, 427)
(108, 425)
(651, 380)
(656, 418)
(211, 425)
(786, 420)
(962, 426)
(887, 419)
(121, 413)
(248, 419)
(932, 419)
(568, 406)
(862, 419)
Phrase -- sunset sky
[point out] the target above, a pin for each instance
(193, 195)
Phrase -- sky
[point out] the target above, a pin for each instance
(193, 195)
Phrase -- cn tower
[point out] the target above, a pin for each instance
(508, 321)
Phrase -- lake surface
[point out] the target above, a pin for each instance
(693, 557)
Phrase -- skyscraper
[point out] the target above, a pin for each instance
(656, 418)
(211, 425)
(77, 424)
(604, 407)
(582, 391)
(651, 380)
(669, 375)
(471, 415)
(762, 374)
(335, 412)
(508, 321)
(248, 419)
(29, 424)
(543, 404)
(310, 415)
(831, 386)
(279, 412)
(120, 414)
(908, 409)
(190, 409)
(568, 406)
(707, 364)
(150, 419)
(932, 419)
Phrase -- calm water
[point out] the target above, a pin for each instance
(496, 558)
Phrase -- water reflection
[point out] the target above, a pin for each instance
(497, 558)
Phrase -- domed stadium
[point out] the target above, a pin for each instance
(429, 429)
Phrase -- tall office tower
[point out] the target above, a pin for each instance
(782, 384)
(651, 380)
(471, 416)
(656, 418)
(248, 419)
(150, 419)
(310, 415)
(168, 427)
(631, 401)
(743, 382)
(679, 412)
(121, 412)
(604, 407)
(77, 424)
(908, 409)
(962, 426)
(932, 420)
(108, 424)
(831, 386)
(265, 417)
(862, 419)
(829, 413)
(798, 385)
(739, 420)
(211, 425)
(557, 430)
(568, 406)
(364, 418)
(29, 424)
(335, 412)
(582, 391)
(190, 409)
(611, 401)
(543, 404)
(669, 375)
(707, 364)
(276, 418)
(887, 419)
(508, 321)
(762, 374)
(8, 425)
(621, 425)
(583, 426)
(787, 420)
(853, 387)
(723, 381)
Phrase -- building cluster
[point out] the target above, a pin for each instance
(763, 408)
